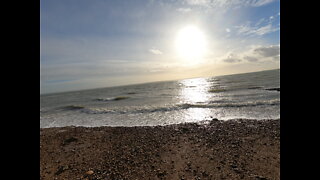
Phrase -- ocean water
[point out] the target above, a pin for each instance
(246, 96)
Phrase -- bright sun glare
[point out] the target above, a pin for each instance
(190, 43)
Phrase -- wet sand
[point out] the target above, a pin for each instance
(234, 149)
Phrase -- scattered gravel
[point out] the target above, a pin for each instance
(234, 149)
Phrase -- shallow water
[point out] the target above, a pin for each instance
(249, 96)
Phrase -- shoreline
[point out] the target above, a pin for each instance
(232, 149)
(204, 122)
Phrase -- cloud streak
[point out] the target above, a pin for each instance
(269, 51)
(229, 3)
(232, 58)
(184, 10)
(257, 29)
(155, 51)
(259, 3)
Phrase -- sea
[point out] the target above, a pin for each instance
(253, 95)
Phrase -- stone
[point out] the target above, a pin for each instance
(89, 172)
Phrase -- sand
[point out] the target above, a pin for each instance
(234, 149)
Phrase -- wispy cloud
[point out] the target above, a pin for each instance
(265, 30)
(250, 58)
(258, 3)
(229, 3)
(184, 10)
(269, 51)
(155, 51)
(232, 58)
(262, 27)
(262, 20)
(198, 2)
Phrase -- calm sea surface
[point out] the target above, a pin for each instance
(250, 96)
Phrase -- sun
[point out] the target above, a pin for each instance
(190, 43)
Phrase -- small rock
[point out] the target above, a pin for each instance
(89, 172)
(261, 178)
(160, 174)
(237, 170)
(205, 174)
(69, 140)
(189, 163)
(61, 169)
(233, 166)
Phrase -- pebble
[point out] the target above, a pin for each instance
(149, 151)
(89, 172)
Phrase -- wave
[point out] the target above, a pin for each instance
(125, 111)
(100, 111)
(132, 93)
(217, 90)
(72, 107)
(218, 105)
(255, 87)
(118, 98)
(273, 89)
(176, 107)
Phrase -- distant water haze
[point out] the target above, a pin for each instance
(249, 96)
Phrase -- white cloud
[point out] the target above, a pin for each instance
(247, 29)
(228, 30)
(228, 3)
(261, 27)
(155, 51)
(268, 51)
(258, 3)
(232, 58)
(244, 29)
(266, 29)
(262, 20)
(262, 53)
(184, 10)
(253, 54)
(198, 2)
(250, 58)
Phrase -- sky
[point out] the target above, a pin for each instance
(87, 44)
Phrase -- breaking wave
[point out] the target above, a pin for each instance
(218, 104)
(118, 98)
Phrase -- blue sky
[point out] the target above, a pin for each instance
(99, 43)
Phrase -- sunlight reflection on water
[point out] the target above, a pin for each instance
(195, 91)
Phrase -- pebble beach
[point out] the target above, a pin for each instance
(233, 149)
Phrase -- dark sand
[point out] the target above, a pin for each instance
(242, 149)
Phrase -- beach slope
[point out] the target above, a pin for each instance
(234, 149)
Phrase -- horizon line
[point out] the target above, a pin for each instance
(124, 85)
